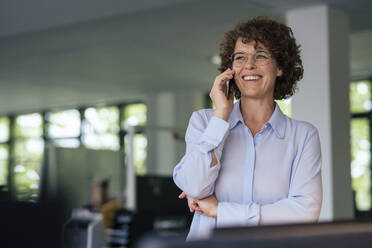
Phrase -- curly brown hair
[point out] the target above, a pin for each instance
(276, 37)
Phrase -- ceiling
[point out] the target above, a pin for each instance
(359, 11)
(110, 56)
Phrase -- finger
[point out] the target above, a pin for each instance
(231, 97)
(221, 79)
(198, 209)
(182, 195)
(221, 85)
(194, 206)
(228, 72)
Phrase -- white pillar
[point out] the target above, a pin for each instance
(168, 113)
(323, 99)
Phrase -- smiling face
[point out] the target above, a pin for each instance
(255, 74)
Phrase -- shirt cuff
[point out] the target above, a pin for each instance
(234, 214)
(214, 134)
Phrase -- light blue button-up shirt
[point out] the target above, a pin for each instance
(271, 178)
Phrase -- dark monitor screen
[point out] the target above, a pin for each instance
(158, 206)
(26, 224)
(323, 235)
(159, 195)
(335, 234)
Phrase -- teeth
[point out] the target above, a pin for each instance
(251, 77)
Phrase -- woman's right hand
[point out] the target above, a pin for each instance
(223, 104)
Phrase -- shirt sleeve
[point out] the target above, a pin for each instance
(302, 204)
(193, 173)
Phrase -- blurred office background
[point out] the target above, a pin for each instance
(77, 77)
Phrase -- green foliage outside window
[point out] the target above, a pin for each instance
(285, 106)
(28, 126)
(28, 155)
(101, 128)
(139, 154)
(3, 164)
(134, 115)
(4, 129)
(360, 163)
(64, 123)
(4, 151)
(360, 97)
(360, 102)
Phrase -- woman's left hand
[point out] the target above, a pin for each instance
(209, 206)
(191, 202)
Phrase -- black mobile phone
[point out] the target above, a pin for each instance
(229, 84)
(227, 92)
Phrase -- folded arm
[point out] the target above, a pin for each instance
(302, 204)
(197, 171)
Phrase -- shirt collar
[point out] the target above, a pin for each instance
(235, 115)
(277, 120)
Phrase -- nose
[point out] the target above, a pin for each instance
(250, 63)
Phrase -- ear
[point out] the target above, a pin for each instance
(279, 72)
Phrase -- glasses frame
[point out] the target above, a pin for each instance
(254, 58)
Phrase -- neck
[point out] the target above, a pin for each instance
(256, 112)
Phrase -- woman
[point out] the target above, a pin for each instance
(247, 163)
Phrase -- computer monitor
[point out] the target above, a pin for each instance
(158, 206)
(333, 234)
(28, 224)
(323, 235)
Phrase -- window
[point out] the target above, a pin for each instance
(4, 152)
(101, 128)
(3, 164)
(22, 137)
(63, 127)
(285, 106)
(135, 115)
(4, 129)
(360, 97)
(28, 154)
(360, 107)
(360, 163)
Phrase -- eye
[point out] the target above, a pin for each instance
(261, 56)
(240, 58)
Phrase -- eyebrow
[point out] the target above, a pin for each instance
(256, 51)
(262, 50)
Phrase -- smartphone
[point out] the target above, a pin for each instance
(229, 84)
(227, 92)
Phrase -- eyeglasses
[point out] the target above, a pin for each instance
(260, 58)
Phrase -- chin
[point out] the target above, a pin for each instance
(250, 93)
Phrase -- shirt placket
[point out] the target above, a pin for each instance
(249, 166)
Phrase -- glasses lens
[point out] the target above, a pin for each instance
(239, 59)
(259, 58)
